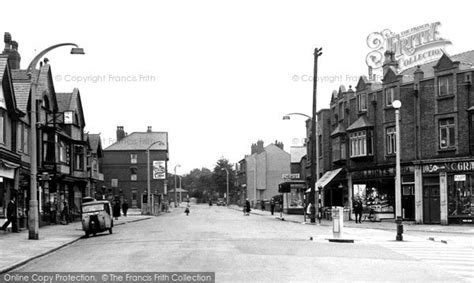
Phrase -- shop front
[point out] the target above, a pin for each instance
(376, 189)
(448, 189)
(293, 196)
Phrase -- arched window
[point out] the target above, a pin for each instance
(46, 102)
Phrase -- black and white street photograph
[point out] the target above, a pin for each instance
(236, 141)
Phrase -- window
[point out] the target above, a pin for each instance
(391, 144)
(26, 140)
(389, 96)
(48, 147)
(361, 143)
(362, 100)
(78, 157)
(338, 149)
(341, 111)
(2, 126)
(133, 158)
(320, 141)
(445, 87)
(133, 173)
(62, 152)
(446, 133)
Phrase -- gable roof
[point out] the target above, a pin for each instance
(465, 59)
(7, 85)
(141, 141)
(71, 101)
(95, 143)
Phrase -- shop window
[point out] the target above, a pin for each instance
(390, 144)
(362, 101)
(133, 158)
(389, 96)
(460, 195)
(375, 195)
(361, 143)
(446, 133)
(445, 86)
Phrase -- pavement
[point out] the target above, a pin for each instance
(409, 226)
(16, 249)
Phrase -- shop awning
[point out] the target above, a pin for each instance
(326, 178)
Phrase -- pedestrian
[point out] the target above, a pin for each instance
(272, 205)
(125, 208)
(11, 216)
(262, 205)
(358, 208)
(116, 209)
(53, 209)
(187, 209)
(247, 208)
(311, 211)
(65, 213)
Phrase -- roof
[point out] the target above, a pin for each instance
(340, 129)
(296, 153)
(465, 59)
(94, 141)
(141, 141)
(360, 123)
(64, 101)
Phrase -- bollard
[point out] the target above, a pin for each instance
(399, 229)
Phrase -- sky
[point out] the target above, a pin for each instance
(216, 75)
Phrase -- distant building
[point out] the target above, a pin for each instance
(125, 166)
(264, 169)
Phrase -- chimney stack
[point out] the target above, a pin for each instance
(120, 133)
(279, 144)
(389, 63)
(260, 146)
(11, 49)
(149, 129)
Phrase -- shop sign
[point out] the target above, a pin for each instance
(459, 178)
(449, 167)
(295, 176)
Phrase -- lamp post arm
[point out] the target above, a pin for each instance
(300, 114)
(42, 53)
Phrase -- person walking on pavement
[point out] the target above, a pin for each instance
(125, 208)
(358, 208)
(116, 209)
(187, 209)
(11, 216)
(311, 211)
(262, 205)
(272, 206)
(247, 208)
(65, 213)
(53, 210)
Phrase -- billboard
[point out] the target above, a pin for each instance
(159, 169)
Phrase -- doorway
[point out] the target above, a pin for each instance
(408, 202)
(431, 201)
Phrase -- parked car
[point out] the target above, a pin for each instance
(220, 201)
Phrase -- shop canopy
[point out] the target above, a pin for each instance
(326, 178)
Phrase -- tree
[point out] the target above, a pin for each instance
(220, 177)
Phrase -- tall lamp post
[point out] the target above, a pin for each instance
(315, 136)
(175, 188)
(33, 216)
(398, 191)
(287, 117)
(151, 208)
(227, 195)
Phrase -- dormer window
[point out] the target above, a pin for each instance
(362, 101)
(445, 86)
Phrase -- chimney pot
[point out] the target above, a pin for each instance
(149, 129)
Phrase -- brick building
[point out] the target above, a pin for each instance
(125, 166)
(437, 141)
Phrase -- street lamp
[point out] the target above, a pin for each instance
(227, 196)
(398, 201)
(175, 195)
(148, 182)
(314, 136)
(33, 217)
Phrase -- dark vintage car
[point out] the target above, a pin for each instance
(220, 201)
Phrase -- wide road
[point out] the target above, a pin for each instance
(239, 249)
